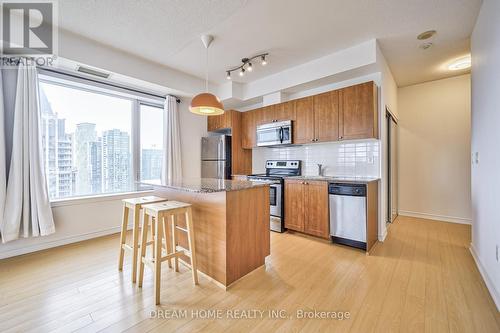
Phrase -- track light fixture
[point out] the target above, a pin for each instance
(247, 65)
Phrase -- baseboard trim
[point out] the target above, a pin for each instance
(489, 283)
(59, 242)
(383, 235)
(444, 218)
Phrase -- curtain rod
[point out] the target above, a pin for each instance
(177, 99)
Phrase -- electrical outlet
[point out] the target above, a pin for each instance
(476, 157)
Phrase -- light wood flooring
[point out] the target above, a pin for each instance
(422, 278)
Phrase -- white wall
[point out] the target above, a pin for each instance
(388, 99)
(434, 150)
(485, 141)
(193, 128)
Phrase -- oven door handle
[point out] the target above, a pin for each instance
(281, 134)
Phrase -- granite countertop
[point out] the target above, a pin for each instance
(207, 185)
(338, 179)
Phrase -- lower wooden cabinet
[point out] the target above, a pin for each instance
(294, 205)
(306, 207)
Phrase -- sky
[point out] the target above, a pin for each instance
(107, 112)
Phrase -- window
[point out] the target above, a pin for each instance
(88, 140)
(151, 143)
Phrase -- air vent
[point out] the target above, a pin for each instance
(94, 72)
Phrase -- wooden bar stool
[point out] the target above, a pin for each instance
(134, 204)
(165, 214)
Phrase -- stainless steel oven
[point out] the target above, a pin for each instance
(274, 176)
(274, 134)
(275, 199)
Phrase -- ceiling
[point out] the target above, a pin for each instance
(293, 32)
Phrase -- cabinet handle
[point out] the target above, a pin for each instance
(340, 137)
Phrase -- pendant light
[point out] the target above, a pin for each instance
(206, 104)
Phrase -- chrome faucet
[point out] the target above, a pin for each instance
(320, 169)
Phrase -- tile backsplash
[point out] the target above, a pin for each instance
(360, 158)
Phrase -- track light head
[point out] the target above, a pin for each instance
(228, 75)
(263, 61)
(249, 67)
(242, 72)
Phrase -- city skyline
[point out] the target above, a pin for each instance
(91, 158)
(78, 106)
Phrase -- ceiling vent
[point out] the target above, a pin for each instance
(93, 72)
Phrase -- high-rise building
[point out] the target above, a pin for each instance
(151, 162)
(95, 165)
(116, 161)
(85, 134)
(57, 149)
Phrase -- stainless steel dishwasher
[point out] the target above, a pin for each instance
(348, 214)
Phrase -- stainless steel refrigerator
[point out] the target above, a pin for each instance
(216, 157)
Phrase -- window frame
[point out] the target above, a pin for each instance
(136, 98)
(140, 186)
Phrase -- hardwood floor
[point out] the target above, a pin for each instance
(422, 278)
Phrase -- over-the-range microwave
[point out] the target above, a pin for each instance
(274, 134)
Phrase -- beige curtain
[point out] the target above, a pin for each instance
(172, 160)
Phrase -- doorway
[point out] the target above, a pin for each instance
(392, 167)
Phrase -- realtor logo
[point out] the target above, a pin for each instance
(28, 27)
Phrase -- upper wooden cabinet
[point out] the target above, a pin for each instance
(265, 115)
(285, 111)
(223, 121)
(306, 207)
(326, 116)
(303, 128)
(358, 117)
(248, 126)
(345, 114)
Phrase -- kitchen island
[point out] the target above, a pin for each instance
(231, 220)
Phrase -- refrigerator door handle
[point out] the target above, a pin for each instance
(220, 170)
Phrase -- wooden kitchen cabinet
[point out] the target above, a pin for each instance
(303, 130)
(241, 162)
(285, 111)
(316, 214)
(326, 116)
(358, 117)
(223, 121)
(294, 205)
(248, 126)
(345, 114)
(306, 207)
(265, 115)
